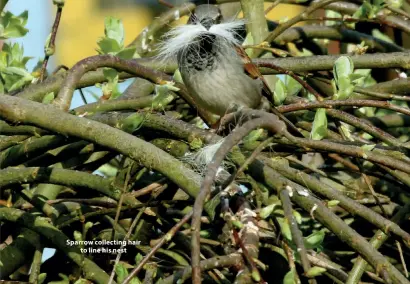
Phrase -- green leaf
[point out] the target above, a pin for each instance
(178, 77)
(88, 226)
(108, 46)
(284, 228)
(121, 272)
(163, 96)
(346, 131)
(314, 240)
(315, 271)
(395, 3)
(254, 135)
(279, 93)
(48, 98)
(342, 67)
(292, 86)
(364, 11)
(127, 53)
(12, 68)
(23, 17)
(111, 88)
(332, 14)
(332, 203)
(237, 224)
(378, 3)
(255, 275)
(17, 53)
(305, 52)
(378, 34)
(13, 26)
(290, 277)
(211, 205)
(135, 280)
(17, 71)
(41, 278)
(368, 147)
(171, 86)
(297, 216)
(110, 74)
(138, 258)
(48, 49)
(196, 143)
(18, 84)
(345, 87)
(108, 170)
(132, 123)
(319, 128)
(82, 281)
(356, 77)
(65, 279)
(78, 236)
(114, 29)
(267, 211)
(249, 41)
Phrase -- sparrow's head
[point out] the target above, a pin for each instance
(206, 15)
(204, 24)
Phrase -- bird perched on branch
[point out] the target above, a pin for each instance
(215, 69)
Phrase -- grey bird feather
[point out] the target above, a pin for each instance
(213, 67)
(210, 67)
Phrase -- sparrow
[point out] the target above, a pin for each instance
(216, 70)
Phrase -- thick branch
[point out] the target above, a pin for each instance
(36, 92)
(70, 178)
(64, 97)
(325, 62)
(20, 110)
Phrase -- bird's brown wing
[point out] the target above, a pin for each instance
(252, 71)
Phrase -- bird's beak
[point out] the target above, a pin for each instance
(207, 23)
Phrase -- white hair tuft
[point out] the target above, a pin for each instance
(180, 38)
(228, 31)
(200, 160)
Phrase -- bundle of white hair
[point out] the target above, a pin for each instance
(180, 38)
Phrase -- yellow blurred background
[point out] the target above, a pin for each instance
(82, 23)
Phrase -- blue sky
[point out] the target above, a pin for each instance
(39, 24)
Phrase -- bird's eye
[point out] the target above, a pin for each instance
(218, 18)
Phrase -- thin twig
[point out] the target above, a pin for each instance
(247, 256)
(403, 262)
(297, 236)
(291, 261)
(119, 205)
(302, 16)
(82, 96)
(126, 238)
(248, 161)
(349, 102)
(165, 239)
(165, 3)
(49, 50)
(294, 76)
(273, 5)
